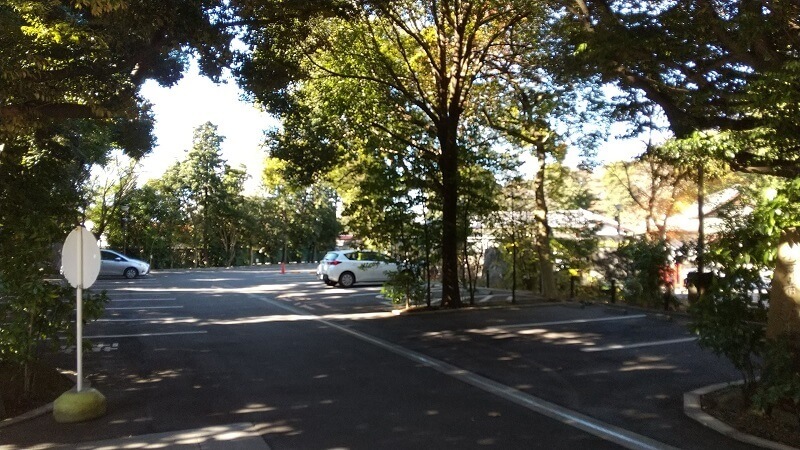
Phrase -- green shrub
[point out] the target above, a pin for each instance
(404, 287)
(730, 325)
(780, 381)
(644, 269)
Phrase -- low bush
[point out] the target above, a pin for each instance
(779, 386)
(404, 288)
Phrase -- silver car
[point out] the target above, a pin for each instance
(116, 264)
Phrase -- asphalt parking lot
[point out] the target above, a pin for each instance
(304, 365)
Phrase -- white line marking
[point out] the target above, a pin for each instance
(143, 307)
(155, 319)
(484, 299)
(607, 348)
(142, 299)
(612, 433)
(123, 293)
(110, 336)
(568, 322)
(365, 294)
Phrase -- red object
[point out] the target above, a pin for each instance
(334, 263)
(283, 267)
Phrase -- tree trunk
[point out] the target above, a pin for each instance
(783, 318)
(448, 164)
(514, 266)
(427, 251)
(469, 281)
(543, 230)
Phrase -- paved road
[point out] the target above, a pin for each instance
(310, 366)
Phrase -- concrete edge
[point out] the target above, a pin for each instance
(693, 409)
(414, 310)
(40, 411)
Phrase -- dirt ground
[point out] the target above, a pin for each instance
(48, 384)
(728, 405)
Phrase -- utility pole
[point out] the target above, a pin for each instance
(701, 236)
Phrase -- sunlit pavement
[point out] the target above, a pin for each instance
(239, 436)
(303, 365)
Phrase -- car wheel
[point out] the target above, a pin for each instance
(130, 273)
(347, 279)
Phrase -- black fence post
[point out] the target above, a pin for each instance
(613, 291)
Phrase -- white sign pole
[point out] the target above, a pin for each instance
(79, 318)
(80, 404)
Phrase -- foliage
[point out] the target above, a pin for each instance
(378, 178)
(653, 186)
(568, 188)
(38, 316)
(198, 208)
(109, 190)
(727, 322)
(404, 287)
(39, 203)
(86, 60)
(423, 62)
(779, 386)
(576, 246)
(729, 66)
(512, 227)
(644, 271)
(727, 318)
(479, 191)
(69, 78)
(210, 199)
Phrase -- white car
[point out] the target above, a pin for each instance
(347, 267)
(116, 264)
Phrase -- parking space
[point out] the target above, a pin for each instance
(629, 368)
(317, 298)
(136, 309)
(315, 367)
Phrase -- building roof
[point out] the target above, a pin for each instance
(583, 218)
(688, 221)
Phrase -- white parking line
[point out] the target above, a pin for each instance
(607, 348)
(156, 319)
(114, 336)
(568, 322)
(142, 307)
(347, 295)
(142, 299)
(612, 433)
(123, 293)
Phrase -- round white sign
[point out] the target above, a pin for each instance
(80, 258)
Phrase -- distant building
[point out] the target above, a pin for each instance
(572, 224)
(685, 225)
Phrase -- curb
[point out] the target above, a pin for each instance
(693, 409)
(465, 308)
